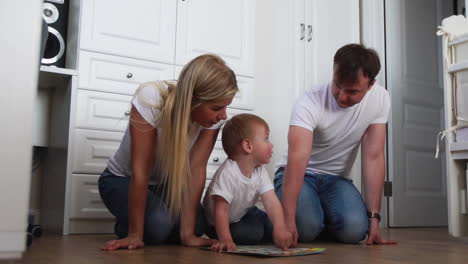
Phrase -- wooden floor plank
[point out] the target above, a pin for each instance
(416, 245)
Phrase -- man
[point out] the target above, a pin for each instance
(327, 126)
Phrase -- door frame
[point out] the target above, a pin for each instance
(373, 36)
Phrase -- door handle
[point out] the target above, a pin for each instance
(302, 31)
(309, 33)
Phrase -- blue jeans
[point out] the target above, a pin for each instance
(253, 228)
(330, 205)
(159, 226)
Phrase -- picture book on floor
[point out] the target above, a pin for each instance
(265, 251)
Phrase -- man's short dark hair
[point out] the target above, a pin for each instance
(354, 58)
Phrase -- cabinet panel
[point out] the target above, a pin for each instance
(118, 75)
(217, 157)
(105, 111)
(85, 199)
(244, 98)
(230, 113)
(222, 27)
(143, 29)
(92, 149)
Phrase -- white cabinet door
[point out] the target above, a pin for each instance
(325, 34)
(92, 149)
(103, 111)
(244, 98)
(85, 199)
(223, 27)
(118, 75)
(317, 36)
(298, 44)
(143, 29)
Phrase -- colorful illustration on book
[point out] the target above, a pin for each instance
(273, 251)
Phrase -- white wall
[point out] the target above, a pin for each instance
(273, 71)
(19, 53)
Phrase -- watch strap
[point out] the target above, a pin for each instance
(373, 215)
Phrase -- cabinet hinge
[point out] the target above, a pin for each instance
(388, 192)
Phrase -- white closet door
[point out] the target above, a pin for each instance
(334, 24)
(143, 29)
(223, 27)
(299, 34)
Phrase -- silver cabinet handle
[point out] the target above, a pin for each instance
(129, 75)
(216, 159)
(309, 38)
(127, 113)
(302, 31)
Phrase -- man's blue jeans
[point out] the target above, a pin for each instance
(330, 205)
(159, 225)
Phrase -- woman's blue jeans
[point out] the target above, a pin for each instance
(159, 226)
(329, 206)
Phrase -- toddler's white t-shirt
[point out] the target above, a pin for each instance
(238, 190)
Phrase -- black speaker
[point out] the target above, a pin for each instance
(55, 13)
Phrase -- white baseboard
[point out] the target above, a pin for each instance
(10, 255)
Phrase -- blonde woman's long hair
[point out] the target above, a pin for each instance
(206, 79)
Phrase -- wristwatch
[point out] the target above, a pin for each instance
(373, 215)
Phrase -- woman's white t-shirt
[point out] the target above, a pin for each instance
(146, 102)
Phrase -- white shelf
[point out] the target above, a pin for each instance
(54, 77)
(460, 39)
(459, 150)
(459, 146)
(458, 67)
(62, 71)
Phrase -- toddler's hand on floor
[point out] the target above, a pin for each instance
(282, 238)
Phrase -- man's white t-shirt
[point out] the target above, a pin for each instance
(238, 190)
(146, 102)
(337, 131)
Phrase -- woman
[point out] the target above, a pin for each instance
(171, 133)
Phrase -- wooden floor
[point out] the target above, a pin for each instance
(416, 245)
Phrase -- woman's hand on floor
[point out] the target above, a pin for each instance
(194, 241)
(130, 242)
